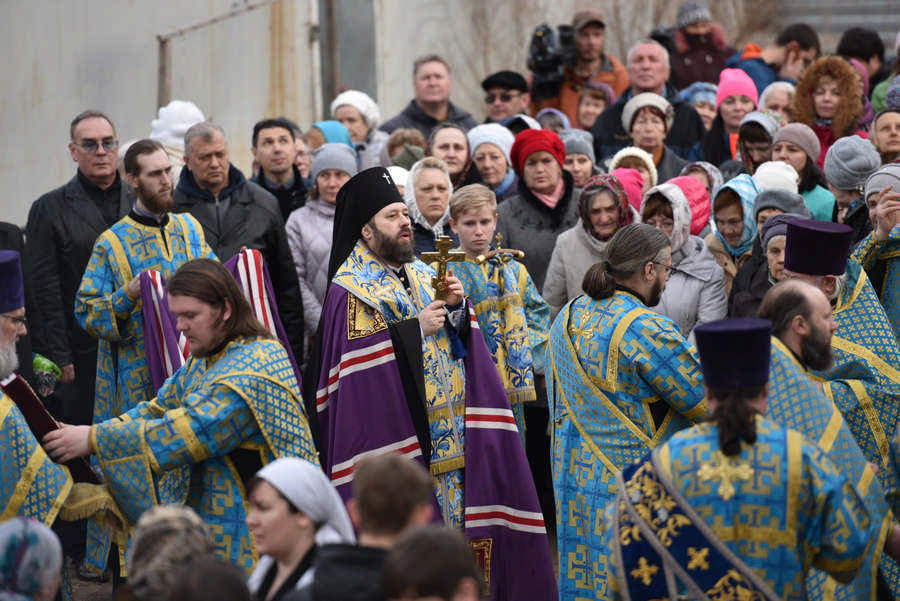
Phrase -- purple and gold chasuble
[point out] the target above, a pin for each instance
(469, 439)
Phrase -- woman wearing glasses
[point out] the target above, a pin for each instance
(735, 226)
(695, 292)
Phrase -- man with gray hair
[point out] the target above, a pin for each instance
(237, 213)
(431, 104)
(648, 70)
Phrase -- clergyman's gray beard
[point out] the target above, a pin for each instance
(9, 360)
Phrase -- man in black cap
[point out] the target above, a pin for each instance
(683, 504)
(864, 381)
(505, 95)
(398, 370)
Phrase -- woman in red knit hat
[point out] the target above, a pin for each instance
(546, 204)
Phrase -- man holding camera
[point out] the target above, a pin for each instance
(591, 64)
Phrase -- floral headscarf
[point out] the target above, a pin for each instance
(30, 558)
(615, 187)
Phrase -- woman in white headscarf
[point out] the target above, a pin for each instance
(427, 196)
(293, 509)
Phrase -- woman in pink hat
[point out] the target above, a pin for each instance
(736, 96)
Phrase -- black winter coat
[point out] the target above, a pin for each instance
(344, 573)
(413, 116)
(59, 238)
(252, 219)
(289, 199)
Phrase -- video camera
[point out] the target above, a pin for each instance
(549, 53)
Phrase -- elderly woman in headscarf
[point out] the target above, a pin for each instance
(427, 196)
(293, 509)
(604, 208)
(735, 225)
(164, 539)
(748, 291)
(695, 292)
(360, 115)
(708, 175)
(30, 561)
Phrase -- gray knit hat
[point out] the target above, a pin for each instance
(578, 141)
(639, 101)
(692, 12)
(889, 175)
(802, 135)
(849, 162)
(788, 202)
(333, 155)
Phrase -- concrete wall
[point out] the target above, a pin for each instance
(65, 56)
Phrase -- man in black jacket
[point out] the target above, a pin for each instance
(59, 237)
(236, 213)
(648, 69)
(275, 149)
(431, 104)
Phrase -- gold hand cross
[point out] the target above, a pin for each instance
(442, 257)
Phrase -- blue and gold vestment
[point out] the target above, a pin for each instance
(742, 527)
(514, 320)
(795, 401)
(623, 381)
(176, 448)
(31, 484)
(104, 309)
(864, 382)
(879, 259)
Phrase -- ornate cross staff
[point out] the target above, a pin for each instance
(507, 252)
(442, 257)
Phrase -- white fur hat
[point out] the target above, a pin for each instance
(777, 175)
(174, 120)
(361, 102)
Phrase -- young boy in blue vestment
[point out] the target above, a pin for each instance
(513, 317)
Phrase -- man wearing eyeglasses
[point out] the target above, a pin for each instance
(505, 95)
(62, 227)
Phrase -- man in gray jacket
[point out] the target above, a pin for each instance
(237, 213)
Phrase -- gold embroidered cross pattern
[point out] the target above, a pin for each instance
(726, 473)
(698, 558)
(645, 571)
(442, 257)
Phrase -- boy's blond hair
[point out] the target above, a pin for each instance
(470, 198)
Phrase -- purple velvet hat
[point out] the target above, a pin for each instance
(12, 286)
(734, 352)
(817, 247)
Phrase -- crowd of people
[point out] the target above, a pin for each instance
(651, 318)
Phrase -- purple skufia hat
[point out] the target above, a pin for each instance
(817, 247)
(12, 285)
(734, 353)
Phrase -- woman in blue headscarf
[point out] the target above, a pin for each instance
(735, 227)
(30, 561)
